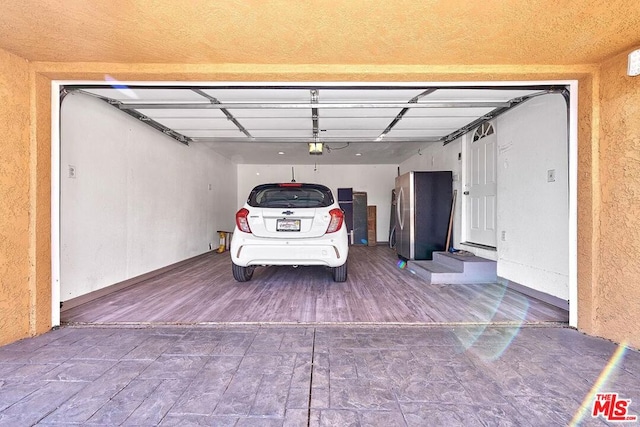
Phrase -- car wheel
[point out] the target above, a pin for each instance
(242, 274)
(339, 273)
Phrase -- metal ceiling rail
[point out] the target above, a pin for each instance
(404, 111)
(298, 105)
(314, 115)
(334, 140)
(224, 111)
(443, 130)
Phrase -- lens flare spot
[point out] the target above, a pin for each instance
(490, 343)
(401, 264)
(364, 241)
(121, 87)
(601, 384)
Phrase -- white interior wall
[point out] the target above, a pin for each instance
(140, 200)
(376, 180)
(533, 213)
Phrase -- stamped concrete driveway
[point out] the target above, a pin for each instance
(303, 375)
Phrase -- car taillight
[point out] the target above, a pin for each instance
(242, 220)
(337, 216)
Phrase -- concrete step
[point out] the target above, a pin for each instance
(432, 271)
(447, 268)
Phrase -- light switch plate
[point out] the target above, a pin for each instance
(633, 67)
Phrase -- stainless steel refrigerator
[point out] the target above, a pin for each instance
(423, 206)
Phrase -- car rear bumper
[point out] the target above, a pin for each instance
(247, 250)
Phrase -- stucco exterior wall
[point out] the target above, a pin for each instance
(588, 200)
(14, 198)
(40, 203)
(617, 313)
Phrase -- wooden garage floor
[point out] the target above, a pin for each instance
(376, 291)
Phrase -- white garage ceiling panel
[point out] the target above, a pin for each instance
(196, 123)
(148, 95)
(241, 113)
(475, 95)
(340, 134)
(345, 123)
(328, 96)
(256, 124)
(284, 134)
(433, 122)
(417, 134)
(231, 133)
(186, 113)
(471, 112)
(388, 113)
(259, 95)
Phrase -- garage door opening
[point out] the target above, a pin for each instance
(149, 173)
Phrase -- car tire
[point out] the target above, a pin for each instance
(339, 273)
(242, 274)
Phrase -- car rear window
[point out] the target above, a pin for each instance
(290, 195)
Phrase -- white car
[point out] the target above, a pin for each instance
(290, 224)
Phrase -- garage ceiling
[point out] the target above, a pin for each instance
(272, 124)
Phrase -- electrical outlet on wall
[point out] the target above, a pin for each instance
(503, 236)
(72, 171)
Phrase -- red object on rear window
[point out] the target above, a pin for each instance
(242, 220)
(290, 184)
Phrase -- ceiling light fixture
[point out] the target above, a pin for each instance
(280, 153)
(315, 148)
(358, 154)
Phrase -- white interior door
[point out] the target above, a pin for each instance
(481, 187)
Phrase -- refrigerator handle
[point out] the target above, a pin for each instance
(399, 203)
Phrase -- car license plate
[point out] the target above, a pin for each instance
(286, 224)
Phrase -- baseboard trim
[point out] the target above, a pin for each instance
(479, 246)
(542, 296)
(82, 299)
